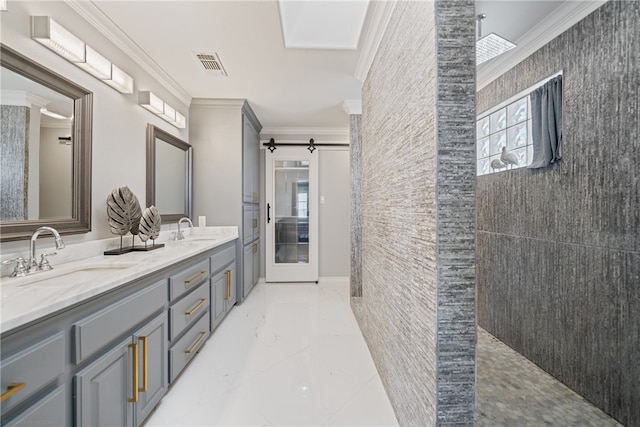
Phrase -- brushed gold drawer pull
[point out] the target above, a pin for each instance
(12, 389)
(195, 344)
(145, 364)
(134, 347)
(196, 308)
(194, 278)
(255, 223)
(228, 290)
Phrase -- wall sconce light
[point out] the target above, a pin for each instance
(161, 109)
(57, 38)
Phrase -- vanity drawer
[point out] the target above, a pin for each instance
(223, 258)
(187, 346)
(31, 369)
(49, 411)
(188, 278)
(96, 331)
(188, 309)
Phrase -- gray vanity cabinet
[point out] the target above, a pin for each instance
(28, 370)
(121, 387)
(109, 360)
(223, 283)
(226, 135)
(48, 411)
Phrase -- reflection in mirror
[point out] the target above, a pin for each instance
(45, 170)
(36, 151)
(168, 174)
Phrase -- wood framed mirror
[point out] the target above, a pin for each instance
(169, 174)
(32, 178)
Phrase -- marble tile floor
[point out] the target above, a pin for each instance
(289, 355)
(293, 355)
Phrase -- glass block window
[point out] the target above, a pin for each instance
(508, 127)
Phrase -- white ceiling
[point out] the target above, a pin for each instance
(286, 87)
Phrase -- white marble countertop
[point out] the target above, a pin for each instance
(25, 299)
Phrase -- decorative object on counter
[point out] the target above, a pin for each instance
(149, 229)
(509, 159)
(123, 210)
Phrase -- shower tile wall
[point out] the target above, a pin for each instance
(417, 310)
(14, 162)
(355, 151)
(559, 248)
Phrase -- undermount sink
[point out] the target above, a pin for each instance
(64, 275)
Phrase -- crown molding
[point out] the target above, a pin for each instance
(380, 14)
(563, 18)
(22, 99)
(352, 106)
(94, 16)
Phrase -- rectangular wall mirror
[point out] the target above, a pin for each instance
(45, 167)
(169, 172)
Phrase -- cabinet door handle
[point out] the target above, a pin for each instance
(194, 278)
(196, 308)
(268, 213)
(12, 389)
(134, 347)
(145, 364)
(255, 248)
(228, 274)
(195, 344)
(255, 223)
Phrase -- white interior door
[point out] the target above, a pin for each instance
(292, 215)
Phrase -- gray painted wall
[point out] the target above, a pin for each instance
(417, 310)
(559, 248)
(333, 215)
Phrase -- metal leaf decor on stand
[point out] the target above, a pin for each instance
(124, 213)
(150, 228)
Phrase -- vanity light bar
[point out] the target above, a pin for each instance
(120, 80)
(157, 106)
(54, 36)
(95, 64)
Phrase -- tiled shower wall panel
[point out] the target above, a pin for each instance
(417, 310)
(14, 162)
(355, 151)
(559, 248)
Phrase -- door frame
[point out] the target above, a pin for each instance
(281, 272)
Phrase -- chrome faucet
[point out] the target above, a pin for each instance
(44, 263)
(180, 235)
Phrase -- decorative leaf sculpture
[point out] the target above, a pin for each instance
(150, 224)
(123, 210)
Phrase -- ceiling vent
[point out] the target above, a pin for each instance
(211, 64)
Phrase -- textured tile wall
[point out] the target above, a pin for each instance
(559, 248)
(14, 162)
(417, 309)
(355, 151)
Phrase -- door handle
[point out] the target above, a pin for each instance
(268, 213)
